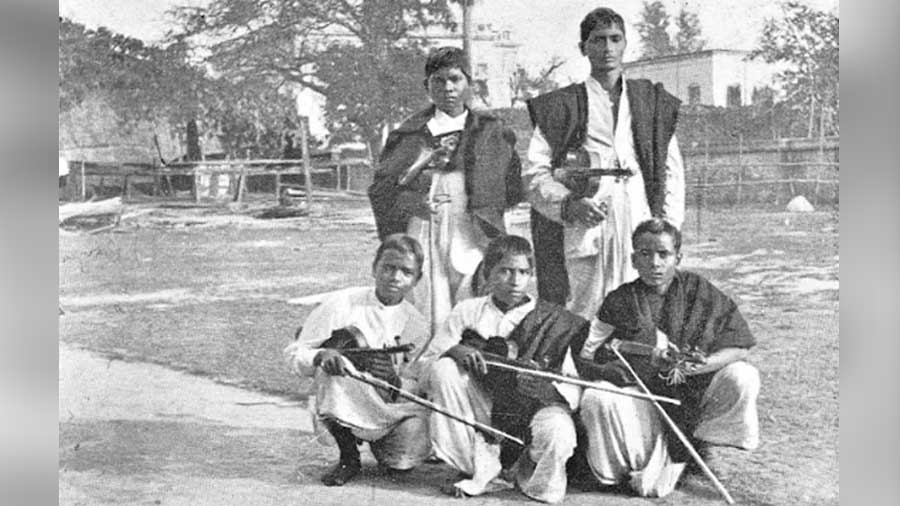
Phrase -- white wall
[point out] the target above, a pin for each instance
(677, 75)
(713, 71)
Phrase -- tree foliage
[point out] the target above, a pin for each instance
(653, 30)
(524, 85)
(808, 41)
(142, 83)
(688, 39)
(363, 56)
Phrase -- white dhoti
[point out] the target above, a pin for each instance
(453, 244)
(598, 259)
(591, 278)
(627, 440)
(730, 416)
(552, 435)
(542, 476)
(397, 431)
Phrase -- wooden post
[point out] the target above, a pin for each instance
(197, 180)
(816, 188)
(71, 187)
(467, 31)
(307, 169)
(699, 199)
(778, 166)
(83, 186)
(740, 174)
(349, 172)
(242, 184)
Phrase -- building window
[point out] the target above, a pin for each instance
(694, 94)
(764, 95)
(734, 96)
(482, 69)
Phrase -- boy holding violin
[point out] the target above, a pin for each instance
(509, 325)
(375, 319)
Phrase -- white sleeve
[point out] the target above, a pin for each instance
(317, 329)
(449, 333)
(673, 203)
(600, 332)
(544, 193)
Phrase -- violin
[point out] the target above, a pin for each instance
(351, 343)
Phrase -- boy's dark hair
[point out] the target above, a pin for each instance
(504, 245)
(658, 226)
(447, 56)
(404, 244)
(600, 17)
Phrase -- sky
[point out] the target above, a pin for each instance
(544, 28)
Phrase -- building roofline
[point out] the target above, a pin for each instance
(686, 56)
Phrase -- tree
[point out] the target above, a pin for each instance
(524, 86)
(250, 117)
(653, 30)
(363, 56)
(688, 39)
(807, 40)
(140, 82)
(143, 84)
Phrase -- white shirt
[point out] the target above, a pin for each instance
(604, 143)
(379, 323)
(483, 316)
(455, 235)
(442, 122)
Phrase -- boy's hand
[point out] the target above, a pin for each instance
(469, 359)
(331, 361)
(584, 212)
(663, 359)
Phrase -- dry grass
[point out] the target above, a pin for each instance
(207, 293)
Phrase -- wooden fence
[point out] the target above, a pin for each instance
(217, 179)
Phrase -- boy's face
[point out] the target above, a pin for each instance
(508, 279)
(655, 259)
(604, 48)
(449, 90)
(395, 273)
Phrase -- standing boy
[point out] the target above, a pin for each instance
(351, 410)
(446, 176)
(517, 327)
(582, 225)
(687, 340)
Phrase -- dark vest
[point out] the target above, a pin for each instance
(562, 117)
(486, 153)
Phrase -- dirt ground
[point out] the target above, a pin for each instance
(172, 388)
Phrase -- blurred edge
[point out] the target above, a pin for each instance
(28, 55)
(870, 280)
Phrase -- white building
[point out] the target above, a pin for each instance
(718, 77)
(494, 58)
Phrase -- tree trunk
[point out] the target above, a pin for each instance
(193, 141)
(467, 31)
(812, 116)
